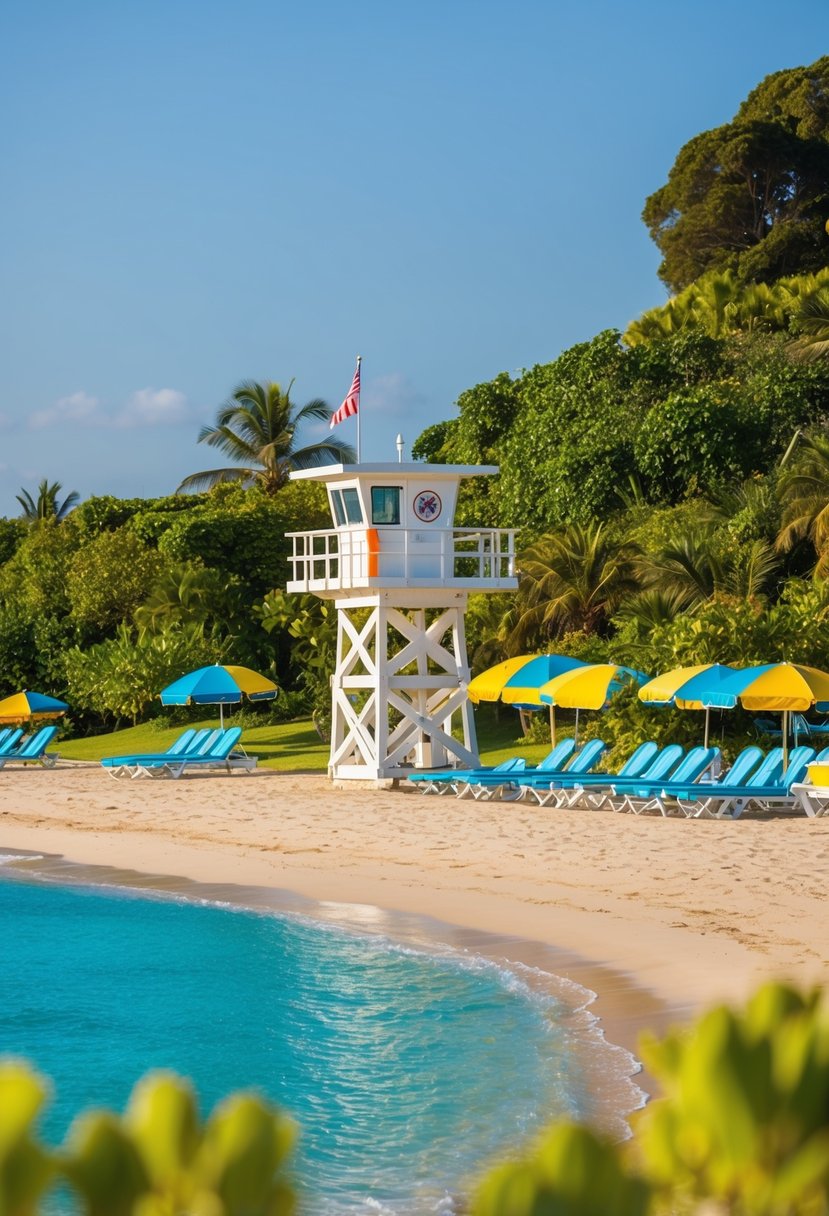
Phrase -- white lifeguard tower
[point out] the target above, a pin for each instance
(399, 573)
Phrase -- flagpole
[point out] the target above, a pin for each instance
(359, 410)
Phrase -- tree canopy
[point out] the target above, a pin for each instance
(753, 194)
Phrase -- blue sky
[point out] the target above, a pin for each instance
(196, 194)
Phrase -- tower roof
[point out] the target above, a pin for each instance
(414, 468)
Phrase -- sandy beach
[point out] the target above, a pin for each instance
(660, 917)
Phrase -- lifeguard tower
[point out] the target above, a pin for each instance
(400, 574)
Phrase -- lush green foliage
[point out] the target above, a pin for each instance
(157, 1159)
(123, 676)
(685, 415)
(751, 195)
(122, 596)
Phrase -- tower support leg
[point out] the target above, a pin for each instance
(399, 691)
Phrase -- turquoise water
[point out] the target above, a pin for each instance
(406, 1071)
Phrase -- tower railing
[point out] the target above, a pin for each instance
(342, 559)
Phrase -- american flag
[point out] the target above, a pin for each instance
(351, 405)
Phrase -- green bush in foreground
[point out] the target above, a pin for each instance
(743, 1130)
(156, 1160)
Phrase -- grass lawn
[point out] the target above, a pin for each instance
(295, 746)
(287, 746)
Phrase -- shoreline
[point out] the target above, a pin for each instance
(658, 917)
(611, 1072)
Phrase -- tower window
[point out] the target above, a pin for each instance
(385, 504)
(353, 510)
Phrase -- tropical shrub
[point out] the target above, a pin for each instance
(107, 579)
(122, 677)
(158, 1158)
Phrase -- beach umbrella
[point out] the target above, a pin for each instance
(588, 687)
(29, 706)
(517, 681)
(681, 686)
(780, 687)
(219, 685)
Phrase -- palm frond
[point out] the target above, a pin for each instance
(256, 427)
(197, 482)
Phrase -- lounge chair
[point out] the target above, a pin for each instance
(448, 781)
(636, 763)
(768, 726)
(190, 742)
(681, 798)
(802, 726)
(537, 782)
(649, 795)
(218, 754)
(33, 750)
(595, 790)
(767, 794)
(10, 741)
(458, 780)
(812, 799)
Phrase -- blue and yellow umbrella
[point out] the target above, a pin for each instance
(588, 687)
(219, 685)
(683, 687)
(29, 706)
(779, 687)
(517, 681)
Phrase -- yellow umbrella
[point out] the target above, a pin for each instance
(588, 687)
(489, 685)
(517, 681)
(785, 687)
(28, 706)
(682, 685)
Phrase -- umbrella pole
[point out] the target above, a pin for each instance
(785, 739)
(707, 713)
(552, 726)
(221, 716)
(576, 735)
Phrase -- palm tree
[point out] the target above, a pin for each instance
(256, 427)
(572, 580)
(804, 492)
(46, 505)
(813, 322)
(690, 566)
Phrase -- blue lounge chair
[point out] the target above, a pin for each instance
(595, 790)
(451, 780)
(537, 782)
(802, 726)
(672, 798)
(139, 765)
(447, 781)
(218, 753)
(11, 740)
(691, 799)
(634, 766)
(766, 794)
(33, 750)
(649, 796)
